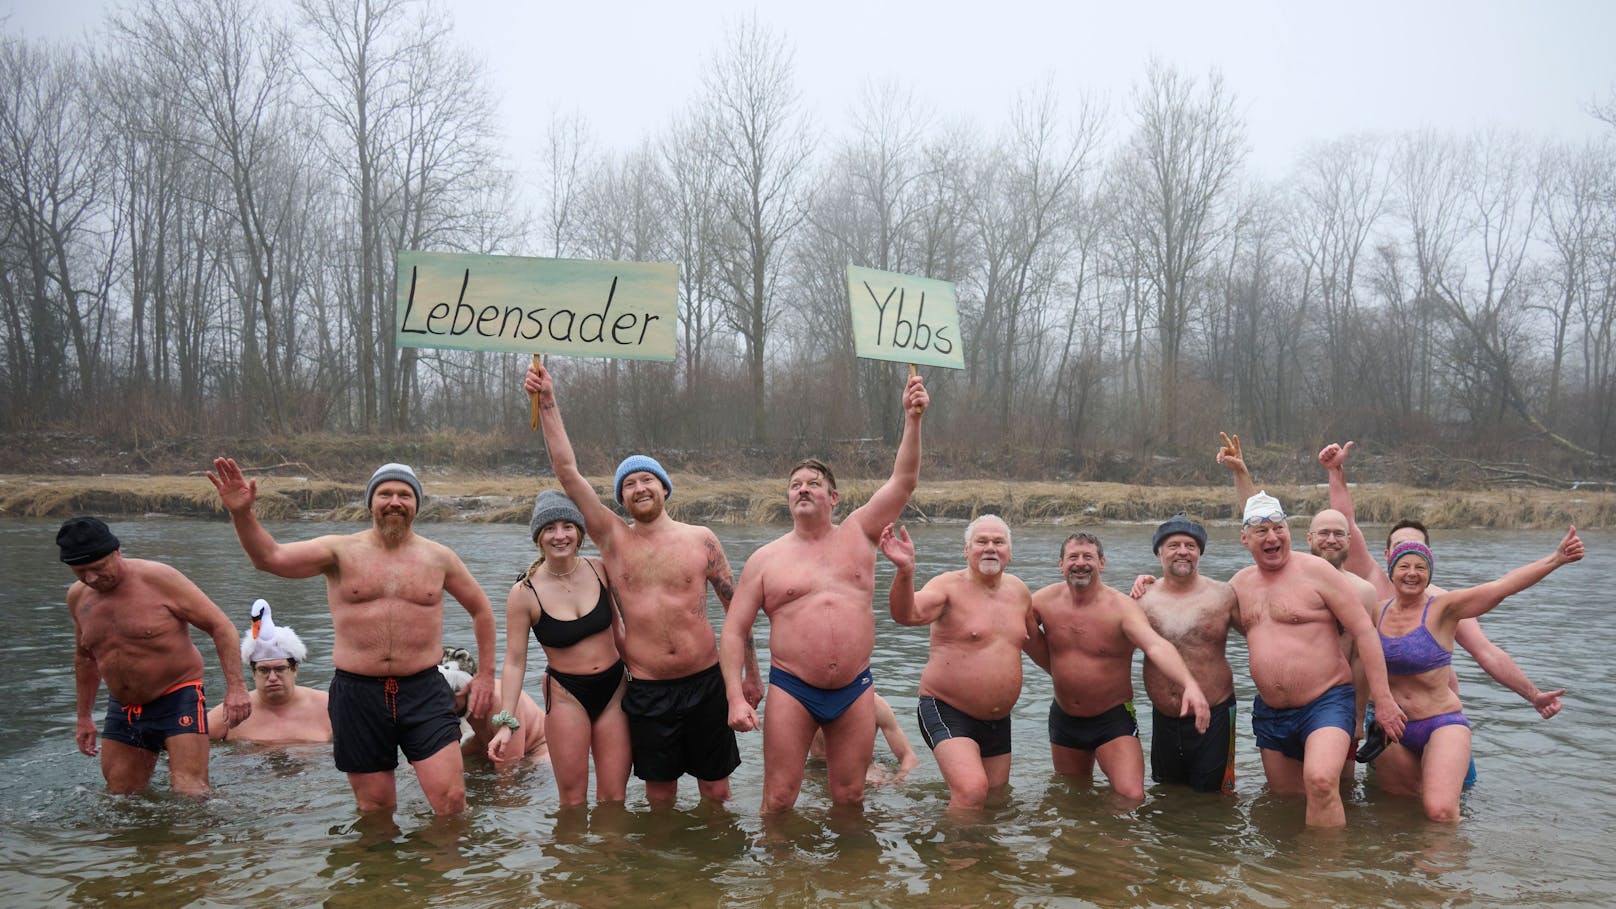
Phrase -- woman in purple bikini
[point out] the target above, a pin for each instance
(1416, 634)
(563, 599)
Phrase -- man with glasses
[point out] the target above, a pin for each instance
(283, 712)
(1291, 604)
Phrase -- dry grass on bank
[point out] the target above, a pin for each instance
(698, 499)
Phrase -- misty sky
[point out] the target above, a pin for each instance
(1301, 72)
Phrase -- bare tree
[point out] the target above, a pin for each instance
(1572, 184)
(1181, 160)
(1024, 220)
(52, 192)
(1341, 193)
(761, 142)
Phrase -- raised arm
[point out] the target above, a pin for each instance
(1474, 601)
(598, 519)
(1164, 656)
(906, 606)
(192, 606)
(518, 622)
(1230, 457)
(722, 580)
(1360, 561)
(736, 649)
(888, 502)
(1503, 668)
(303, 559)
(457, 580)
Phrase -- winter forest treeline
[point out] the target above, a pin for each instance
(202, 207)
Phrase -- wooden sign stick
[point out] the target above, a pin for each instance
(533, 417)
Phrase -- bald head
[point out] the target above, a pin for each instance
(1327, 536)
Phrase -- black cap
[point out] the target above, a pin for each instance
(83, 540)
(1179, 523)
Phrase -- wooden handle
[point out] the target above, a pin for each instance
(533, 416)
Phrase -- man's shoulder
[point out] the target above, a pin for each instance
(1047, 592)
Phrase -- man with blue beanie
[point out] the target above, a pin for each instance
(660, 570)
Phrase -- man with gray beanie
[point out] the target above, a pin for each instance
(385, 585)
(1194, 613)
(660, 570)
(131, 627)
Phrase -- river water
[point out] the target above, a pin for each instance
(282, 830)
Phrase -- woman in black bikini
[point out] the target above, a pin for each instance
(564, 599)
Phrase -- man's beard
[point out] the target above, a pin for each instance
(394, 524)
(1336, 557)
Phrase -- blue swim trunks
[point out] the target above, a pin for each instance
(1285, 730)
(822, 704)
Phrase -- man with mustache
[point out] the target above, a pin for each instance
(816, 584)
(660, 570)
(1194, 613)
(980, 618)
(1085, 636)
(1293, 607)
(385, 586)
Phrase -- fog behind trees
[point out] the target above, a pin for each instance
(201, 214)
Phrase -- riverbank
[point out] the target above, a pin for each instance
(491, 498)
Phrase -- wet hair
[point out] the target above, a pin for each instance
(1082, 536)
(971, 527)
(816, 465)
(1425, 535)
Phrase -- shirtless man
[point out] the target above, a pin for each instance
(1085, 638)
(1498, 664)
(1327, 539)
(980, 619)
(385, 586)
(660, 570)
(817, 584)
(1194, 613)
(131, 623)
(1291, 605)
(283, 712)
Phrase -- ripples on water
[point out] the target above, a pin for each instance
(282, 829)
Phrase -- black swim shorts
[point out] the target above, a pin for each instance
(372, 718)
(679, 726)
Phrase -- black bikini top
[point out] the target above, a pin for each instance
(550, 631)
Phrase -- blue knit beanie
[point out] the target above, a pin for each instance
(635, 464)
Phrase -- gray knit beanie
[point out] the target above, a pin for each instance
(401, 472)
(553, 505)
